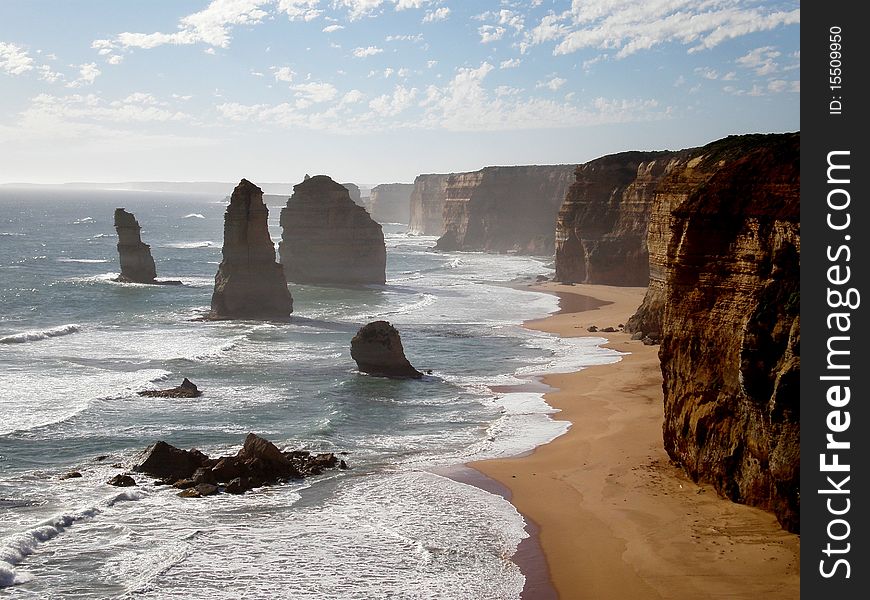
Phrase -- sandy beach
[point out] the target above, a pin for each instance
(615, 518)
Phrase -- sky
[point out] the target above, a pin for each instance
(377, 91)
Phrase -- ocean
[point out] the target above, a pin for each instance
(75, 347)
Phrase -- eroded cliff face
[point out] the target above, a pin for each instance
(391, 202)
(427, 204)
(137, 264)
(327, 238)
(249, 283)
(601, 229)
(505, 209)
(724, 245)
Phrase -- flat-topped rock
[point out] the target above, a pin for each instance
(249, 283)
(187, 389)
(328, 239)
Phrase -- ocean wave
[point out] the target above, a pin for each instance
(19, 546)
(83, 220)
(82, 260)
(101, 235)
(11, 234)
(40, 334)
(190, 245)
(193, 216)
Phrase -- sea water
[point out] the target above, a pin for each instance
(75, 347)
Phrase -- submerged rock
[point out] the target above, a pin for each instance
(327, 238)
(249, 283)
(122, 481)
(377, 350)
(187, 389)
(137, 264)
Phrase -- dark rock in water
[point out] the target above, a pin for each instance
(541, 278)
(168, 462)
(637, 335)
(609, 330)
(592, 329)
(186, 390)
(327, 238)
(249, 283)
(122, 481)
(137, 264)
(342, 464)
(258, 463)
(648, 341)
(377, 350)
(102, 457)
(71, 475)
(200, 490)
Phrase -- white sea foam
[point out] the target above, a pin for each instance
(82, 260)
(83, 220)
(11, 234)
(16, 547)
(40, 334)
(190, 245)
(193, 216)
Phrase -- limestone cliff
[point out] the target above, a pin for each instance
(327, 238)
(601, 229)
(249, 283)
(427, 204)
(724, 297)
(354, 191)
(504, 209)
(391, 202)
(137, 264)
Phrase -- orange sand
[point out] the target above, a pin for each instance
(616, 519)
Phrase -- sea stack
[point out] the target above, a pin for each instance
(249, 283)
(377, 350)
(137, 265)
(328, 239)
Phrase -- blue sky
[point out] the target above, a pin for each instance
(379, 90)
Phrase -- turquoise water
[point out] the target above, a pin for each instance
(76, 346)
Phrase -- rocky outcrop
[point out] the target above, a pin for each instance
(427, 204)
(258, 463)
(327, 239)
(601, 229)
(377, 350)
(391, 202)
(137, 264)
(353, 190)
(187, 389)
(505, 209)
(249, 283)
(724, 298)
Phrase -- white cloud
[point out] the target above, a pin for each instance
(388, 72)
(357, 9)
(511, 19)
(88, 73)
(14, 60)
(352, 97)
(553, 84)
(510, 64)
(439, 14)
(368, 51)
(628, 26)
(404, 38)
(315, 92)
(332, 28)
(490, 33)
(46, 74)
(115, 59)
(300, 10)
(390, 105)
(285, 74)
(761, 60)
(707, 73)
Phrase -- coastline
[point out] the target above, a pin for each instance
(614, 518)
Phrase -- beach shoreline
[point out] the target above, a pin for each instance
(613, 516)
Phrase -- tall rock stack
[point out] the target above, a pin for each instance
(249, 283)
(724, 247)
(137, 264)
(601, 229)
(391, 202)
(327, 238)
(505, 209)
(427, 204)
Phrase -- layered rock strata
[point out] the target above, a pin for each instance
(354, 191)
(377, 350)
(724, 297)
(249, 283)
(427, 204)
(505, 209)
(601, 228)
(137, 264)
(328, 239)
(391, 202)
